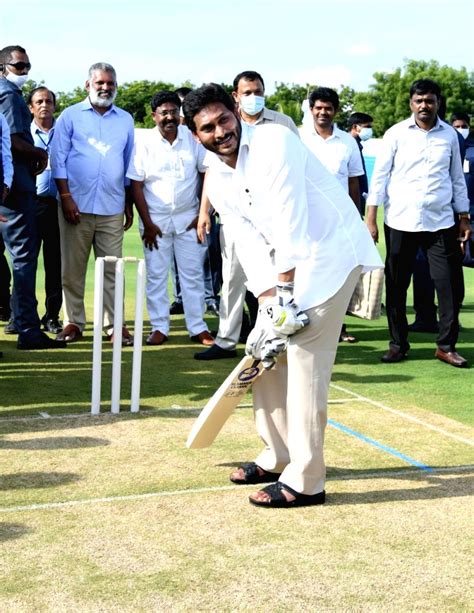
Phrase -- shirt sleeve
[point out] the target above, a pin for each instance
(136, 167)
(460, 197)
(6, 153)
(355, 167)
(12, 112)
(382, 169)
(285, 185)
(128, 151)
(61, 146)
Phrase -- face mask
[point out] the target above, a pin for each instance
(365, 133)
(17, 79)
(252, 105)
(464, 132)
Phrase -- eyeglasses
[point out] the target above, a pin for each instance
(173, 113)
(20, 65)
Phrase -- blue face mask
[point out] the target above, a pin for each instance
(252, 105)
(365, 133)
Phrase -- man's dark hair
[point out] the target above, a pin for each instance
(325, 94)
(248, 75)
(460, 117)
(195, 101)
(6, 53)
(425, 86)
(182, 92)
(29, 98)
(165, 96)
(355, 119)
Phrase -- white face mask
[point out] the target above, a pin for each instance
(17, 79)
(252, 105)
(464, 132)
(365, 133)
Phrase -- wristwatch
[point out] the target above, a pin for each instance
(464, 216)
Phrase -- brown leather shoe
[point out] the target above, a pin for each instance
(156, 338)
(451, 357)
(392, 356)
(71, 333)
(204, 338)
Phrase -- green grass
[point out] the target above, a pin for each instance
(390, 537)
(60, 381)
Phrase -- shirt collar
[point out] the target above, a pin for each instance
(87, 106)
(35, 127)
(412, 124)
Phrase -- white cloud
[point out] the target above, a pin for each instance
(328, 76)
(361, 50)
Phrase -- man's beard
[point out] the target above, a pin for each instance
(98, 100)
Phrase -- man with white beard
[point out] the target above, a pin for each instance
(90, 154)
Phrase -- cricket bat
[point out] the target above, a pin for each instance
(223, 402)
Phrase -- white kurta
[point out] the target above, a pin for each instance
(287, 211)
(170, 174)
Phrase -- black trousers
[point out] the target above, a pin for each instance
(445, 268)
(48, 236)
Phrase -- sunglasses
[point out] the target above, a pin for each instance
(20, 65)
(173, 113)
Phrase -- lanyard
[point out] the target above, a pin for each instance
(45, 143)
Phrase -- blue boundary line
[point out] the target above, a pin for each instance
(381, 446)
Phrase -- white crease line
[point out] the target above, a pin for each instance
(406, 416)
(224, 488)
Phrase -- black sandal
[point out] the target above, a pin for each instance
(252, 476)
(278, 500)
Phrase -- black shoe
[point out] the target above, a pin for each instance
(10, 328)
(40, 342)
(417, 326)
(212, 306)
(393, 356)
(54, 326)
(215, 353)
(177, 308)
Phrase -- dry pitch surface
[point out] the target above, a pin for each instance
(114, 514)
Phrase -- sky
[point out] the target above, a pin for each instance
(330, 42)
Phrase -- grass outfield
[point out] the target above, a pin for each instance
(114, 514)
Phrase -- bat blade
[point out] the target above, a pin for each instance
(223, 402)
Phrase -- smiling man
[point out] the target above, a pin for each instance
(288, 215)
(418, 179)
(90, 153)
(166, 173)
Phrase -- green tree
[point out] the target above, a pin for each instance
(287, 99)
(388, 98)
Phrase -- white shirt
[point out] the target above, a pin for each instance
(418, 177)
(287, 211)
(269, 116)
(339, 153)
(170, 173)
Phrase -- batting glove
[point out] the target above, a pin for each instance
(285, 319)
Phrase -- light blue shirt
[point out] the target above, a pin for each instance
(92, 151)
(45, 185)
(6, 153)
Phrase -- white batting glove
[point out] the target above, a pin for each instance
(286, 319)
